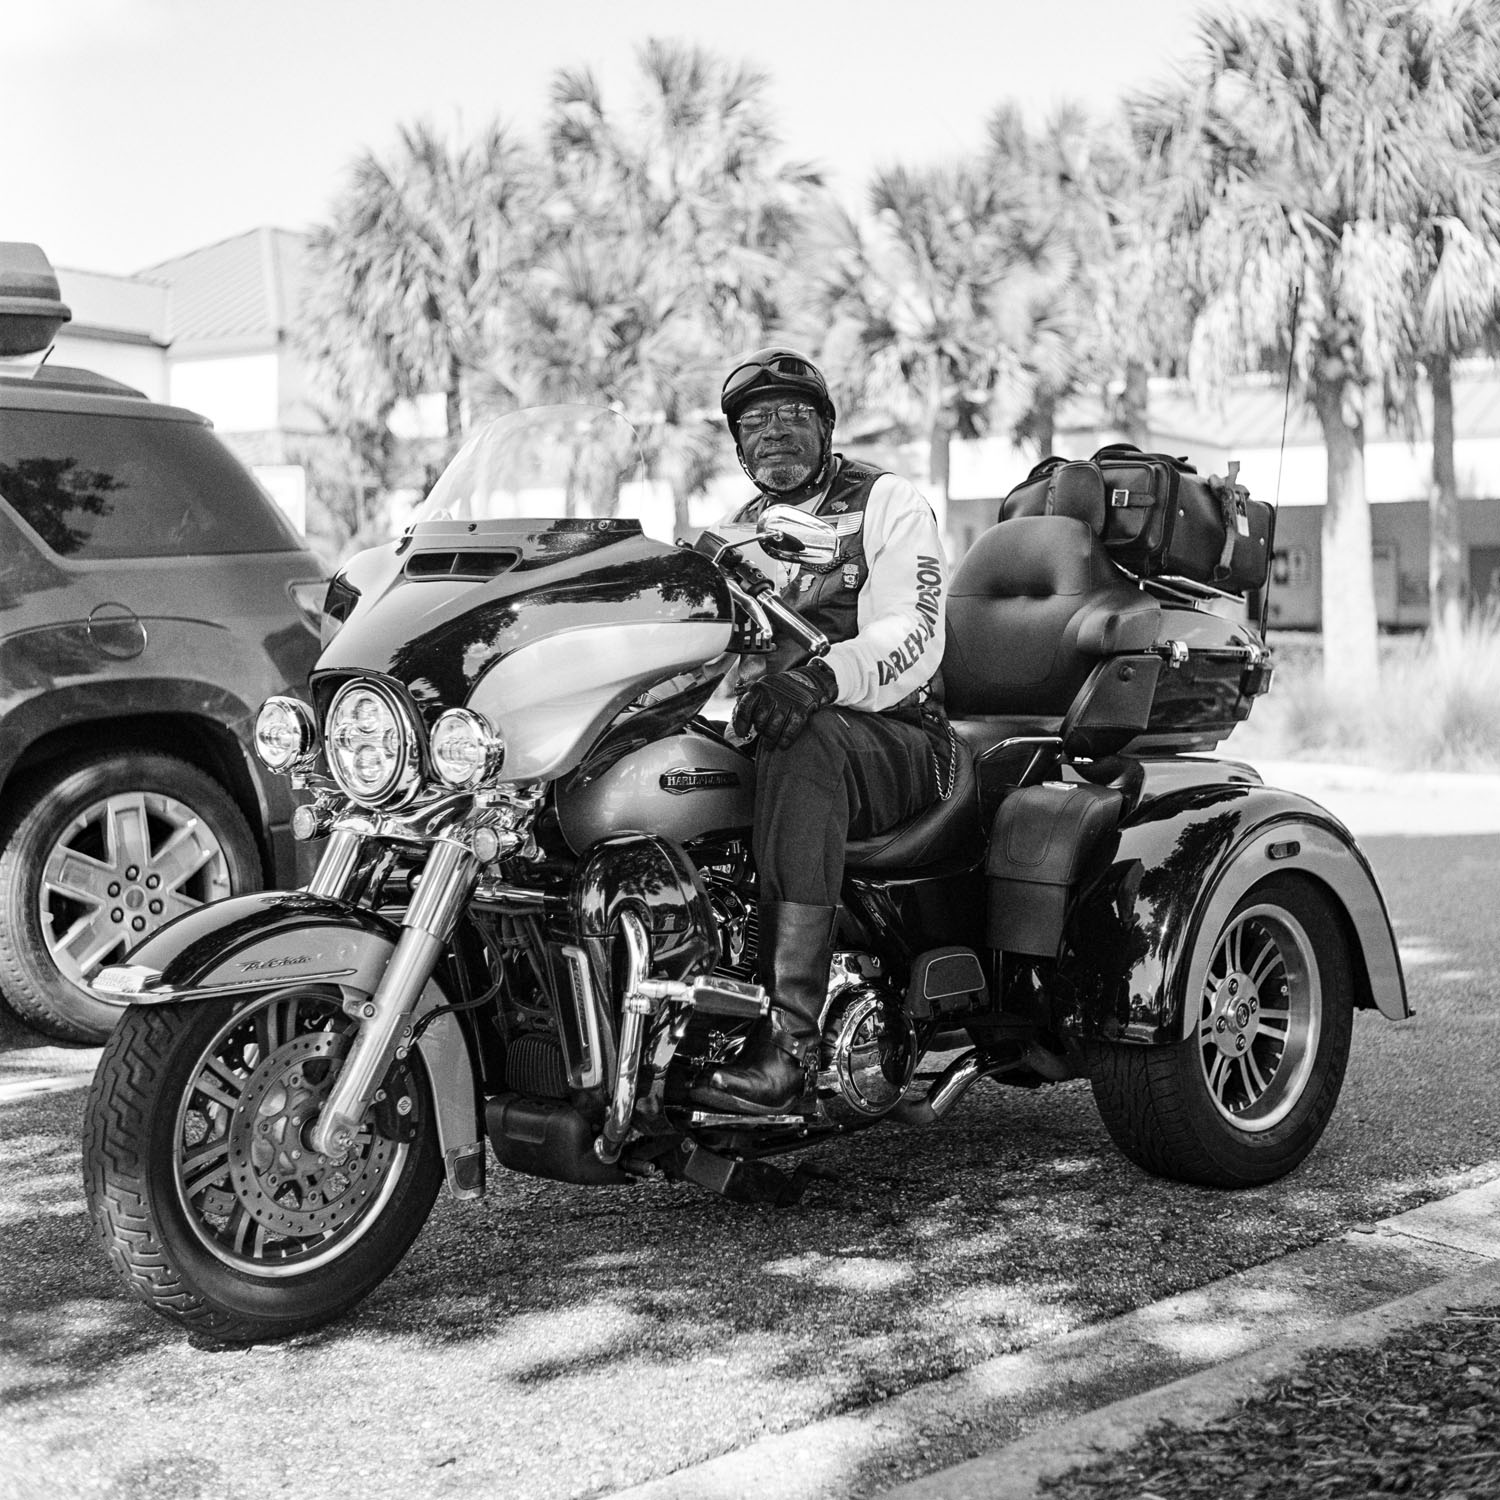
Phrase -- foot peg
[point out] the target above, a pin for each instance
(745, 1181)
(714, 995)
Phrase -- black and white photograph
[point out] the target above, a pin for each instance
(749, 752)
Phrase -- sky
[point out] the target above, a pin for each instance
(132, 131)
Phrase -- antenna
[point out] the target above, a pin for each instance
(1286, 408)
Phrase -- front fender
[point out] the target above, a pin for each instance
(1159, 892)
(271, 940)
(265, 938)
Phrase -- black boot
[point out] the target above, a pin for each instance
(769, 1075)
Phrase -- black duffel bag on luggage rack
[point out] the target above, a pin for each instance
(1162, 519)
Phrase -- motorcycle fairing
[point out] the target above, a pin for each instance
(571, 624)
(551, 699)
(247, 944)
(438, 633)
(1157, 893)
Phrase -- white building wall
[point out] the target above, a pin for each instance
(118, 328)
(138, 365)
(237, 394)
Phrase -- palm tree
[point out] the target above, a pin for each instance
(1292, 157)
(421, 248)
(930, 300)
(1117, 311)
(1457, 259)
(350, 462)
(667, 228)
(1459, 312)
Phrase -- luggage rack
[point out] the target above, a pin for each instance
(1184, 590)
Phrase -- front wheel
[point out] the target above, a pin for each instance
(1247, 1094)
(200, 1182)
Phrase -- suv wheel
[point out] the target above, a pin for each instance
(95, 855)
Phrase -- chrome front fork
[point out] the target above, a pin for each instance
(447, 880)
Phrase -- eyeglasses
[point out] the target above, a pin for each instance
(788, 413)
(778, 364)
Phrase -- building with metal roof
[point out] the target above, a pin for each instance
(212, 331)
(1246, 422)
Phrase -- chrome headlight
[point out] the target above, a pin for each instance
(371, 744)
(465, 751)
(286, 735)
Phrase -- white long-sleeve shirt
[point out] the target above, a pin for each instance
(900, 610)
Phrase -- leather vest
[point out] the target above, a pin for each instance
(829, 597)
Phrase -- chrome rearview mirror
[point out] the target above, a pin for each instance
(793, 536)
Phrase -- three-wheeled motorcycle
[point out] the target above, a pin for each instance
(534, 915)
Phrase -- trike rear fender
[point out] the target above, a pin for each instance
(1157, 894)
(270, 940)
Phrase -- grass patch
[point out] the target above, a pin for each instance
(1437, 707)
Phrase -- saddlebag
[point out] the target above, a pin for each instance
(1162, 519)
(1042, 838)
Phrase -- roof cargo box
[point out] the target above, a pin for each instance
(31, 305)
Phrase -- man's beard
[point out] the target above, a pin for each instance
(783, 472)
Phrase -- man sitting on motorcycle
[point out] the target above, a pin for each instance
(849, 744)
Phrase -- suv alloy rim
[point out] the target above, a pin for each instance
(119, 870)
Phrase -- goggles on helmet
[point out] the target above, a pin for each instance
(773, 370)
(743, 377)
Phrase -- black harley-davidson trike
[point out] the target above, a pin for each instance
(535, 911)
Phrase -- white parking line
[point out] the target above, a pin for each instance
(10, 1092)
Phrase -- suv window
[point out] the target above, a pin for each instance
(97, 487)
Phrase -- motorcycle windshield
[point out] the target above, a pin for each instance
(544, 462)
(518, 591)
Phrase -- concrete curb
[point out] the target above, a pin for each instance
(1016, 1471)
(1064, 1403)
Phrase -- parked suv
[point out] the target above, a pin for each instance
(151, 595)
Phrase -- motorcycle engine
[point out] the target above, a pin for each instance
(868, 1052)
(869, 1047)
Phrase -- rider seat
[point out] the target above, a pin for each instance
(1032, 609)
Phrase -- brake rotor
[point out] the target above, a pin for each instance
(280, 1180)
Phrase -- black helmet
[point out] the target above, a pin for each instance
(774, 369)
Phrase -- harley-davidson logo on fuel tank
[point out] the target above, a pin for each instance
(681, 779)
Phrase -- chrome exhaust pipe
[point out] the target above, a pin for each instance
(962, 1073)
(949, 1087)
(636, 1009)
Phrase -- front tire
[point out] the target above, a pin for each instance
(199, 1182)
(1244, 1098)
(95, 855)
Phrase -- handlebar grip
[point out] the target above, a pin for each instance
(795, 626)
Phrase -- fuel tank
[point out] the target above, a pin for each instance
(682, 787)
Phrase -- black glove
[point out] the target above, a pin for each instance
(779, 706)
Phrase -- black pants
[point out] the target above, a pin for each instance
(847, 775)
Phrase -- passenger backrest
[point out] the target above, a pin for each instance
(1032, 608)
